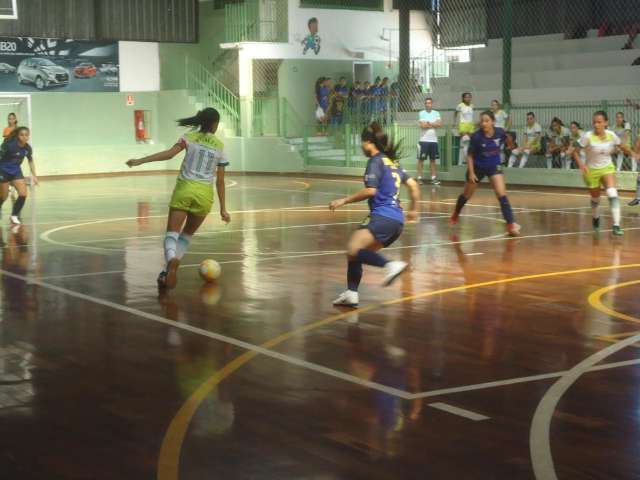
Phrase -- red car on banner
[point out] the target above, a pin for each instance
(85, 70)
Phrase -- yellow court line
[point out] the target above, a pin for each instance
(169, 457)
(595, 300)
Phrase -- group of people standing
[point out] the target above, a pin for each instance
(359, 103)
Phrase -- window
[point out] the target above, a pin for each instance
(350, 5)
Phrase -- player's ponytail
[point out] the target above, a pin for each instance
(205, 120)
(375, 134)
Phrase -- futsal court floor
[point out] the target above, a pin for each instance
(492, 358)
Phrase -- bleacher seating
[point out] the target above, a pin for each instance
(546, 69)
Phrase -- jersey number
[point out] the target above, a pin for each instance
(398, 179)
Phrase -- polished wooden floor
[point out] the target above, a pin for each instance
(493, 358)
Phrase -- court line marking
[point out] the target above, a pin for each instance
(461, 412)
(540, 433)
(516, 380)
(492, 238)
(257, 349)
(169, 457)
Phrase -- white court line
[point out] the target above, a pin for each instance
(516, 380)
(461, 412)
(474, 254)
(218, 232)
(493, 238)
(539, 435)
(215, 336)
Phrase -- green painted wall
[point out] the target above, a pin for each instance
(172, 55)
(94, 132)
(296, 80)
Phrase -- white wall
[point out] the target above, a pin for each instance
(346, 34)
(139, 67)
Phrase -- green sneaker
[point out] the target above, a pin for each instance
(617, 231)
(596, 223)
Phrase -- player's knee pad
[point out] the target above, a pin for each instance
(612, 192)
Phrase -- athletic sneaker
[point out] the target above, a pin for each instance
(15, 220)
(596, 223)
(617, 231)
(162, 279)
(392, 271)
(634, 202)
(348, 298)
(420, 181)
(435, 181)
(513, 230)
(172, 273)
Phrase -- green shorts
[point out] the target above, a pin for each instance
(593, 178)
(466, 128)
(192, 196)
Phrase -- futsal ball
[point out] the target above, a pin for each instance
(210, 270)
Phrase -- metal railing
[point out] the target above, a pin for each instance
(209, 91)
(256, 21)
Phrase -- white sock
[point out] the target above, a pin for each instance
(184, 240)
(549, 161)
(525, 159)
(595, 206)
(619, 159)
(614, 203)
(634, 164)
(170, 245)
(512, 160)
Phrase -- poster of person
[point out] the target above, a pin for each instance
(48, 64)
(312, 40)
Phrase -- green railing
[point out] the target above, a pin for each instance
(339, 145)
(266, 114)
(210, 92)
(256, 21)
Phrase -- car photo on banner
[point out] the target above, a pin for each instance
(35, 64)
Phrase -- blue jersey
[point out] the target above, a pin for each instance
(486, 150)
(323, 97)
(12, 156)
(386, 176)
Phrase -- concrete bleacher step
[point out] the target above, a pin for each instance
(534, 48)
(577, 78)
(564, 61)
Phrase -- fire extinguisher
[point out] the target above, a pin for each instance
(140, 127)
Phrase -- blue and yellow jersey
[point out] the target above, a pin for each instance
(486, 150)
(386, 176)
(12, 155)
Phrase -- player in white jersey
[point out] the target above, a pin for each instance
(531, 143)
(599, 145)
(636, 200)
(192, 197)
(623, 130)
(557, 142)
(503, 120)
(463, 118)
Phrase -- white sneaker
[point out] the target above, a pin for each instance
(15, 220)
(348, 298)
(392, 271)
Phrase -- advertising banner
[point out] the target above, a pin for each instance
(47, 64)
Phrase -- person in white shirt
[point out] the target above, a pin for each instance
(557, 143)
(623, 130)
(463, 118)
(503, 120)
(599, 145)
(636, 200)
(429, 120)
(575, 134)
(531, 143)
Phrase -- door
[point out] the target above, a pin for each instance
(362, 72)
